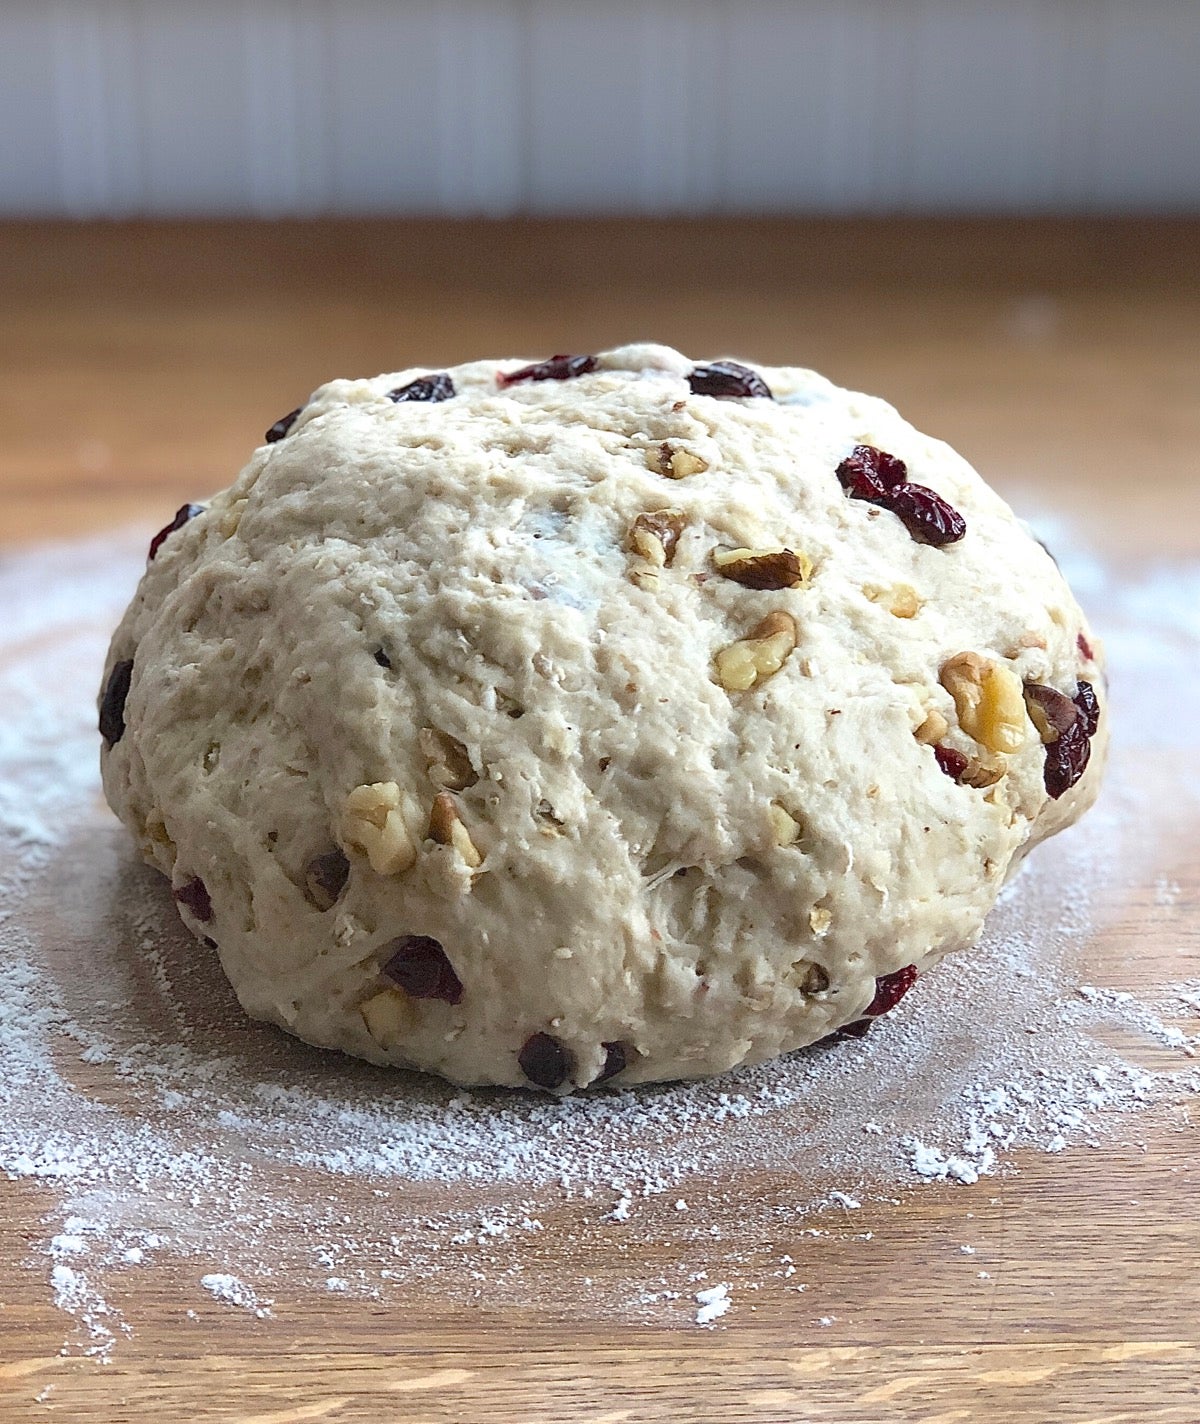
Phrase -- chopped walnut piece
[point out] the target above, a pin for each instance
(388, 1015)
(900, 599)
(763, 568)
(819, 919)
(982, 774)
(231, 518)
(156, 828)
(372, 822)
(675, 463)
(655, 535)
(933, 728)
(449, 764)
(156, 845)
(784, 826)
(446, 827)
(989, 700)
(755, 658)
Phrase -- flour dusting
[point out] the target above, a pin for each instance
(232, 1291)
(166, 1127)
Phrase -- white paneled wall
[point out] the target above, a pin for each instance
(497, 106)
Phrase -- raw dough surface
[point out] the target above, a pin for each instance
(417, 690)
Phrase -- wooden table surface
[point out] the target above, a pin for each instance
(138, 366)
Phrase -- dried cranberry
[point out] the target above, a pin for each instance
(882, 479)
(926, 515)
(1085, 648)
(952, 762)
(282, 426)
(890, 989)
(615, 1061)
(438, 387)
(193, 896)
(182, 515)
(558, 368)
(544, 1061)
(727, 378)
(870, 474)
(112, 704)
(1089, 706)
(325, 878)
(1056, 708)
(418, 964)
(1066, 760)
(1068, 757)
(858, 1029)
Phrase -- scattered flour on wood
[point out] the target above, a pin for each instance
(713, 1303)
(162, 1124)
(232, 1291)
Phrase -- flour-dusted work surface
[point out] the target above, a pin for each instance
(193, 1169)
(984, 1206)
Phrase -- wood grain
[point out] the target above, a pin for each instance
(139, 364)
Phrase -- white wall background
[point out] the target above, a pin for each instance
(497, 106)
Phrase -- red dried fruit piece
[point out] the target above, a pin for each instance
(882, 479)
(615, 1061)
(1085, 648)
(418, 965)
(868, 473)
(182, 515)
(1089, 706)
(544, 1061)
(890, 989)
(437, 387)
(1066, 760)
(1068, 757)
(112, 704)
(726, 379)
(952, 762)
(193, 896)
(557, 368)
(925, 514)
(1056, 707)
(282, 426)
(325, 878)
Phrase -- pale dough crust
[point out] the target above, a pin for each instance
(627, 852)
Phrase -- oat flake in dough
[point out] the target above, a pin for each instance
(470, 745)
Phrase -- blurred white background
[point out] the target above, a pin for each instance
(277, 107)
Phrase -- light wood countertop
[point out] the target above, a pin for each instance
(139, 365)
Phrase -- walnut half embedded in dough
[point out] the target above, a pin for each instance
(609, 717)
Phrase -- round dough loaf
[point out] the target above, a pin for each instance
(469, 738)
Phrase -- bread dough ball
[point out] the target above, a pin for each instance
(628, 720)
